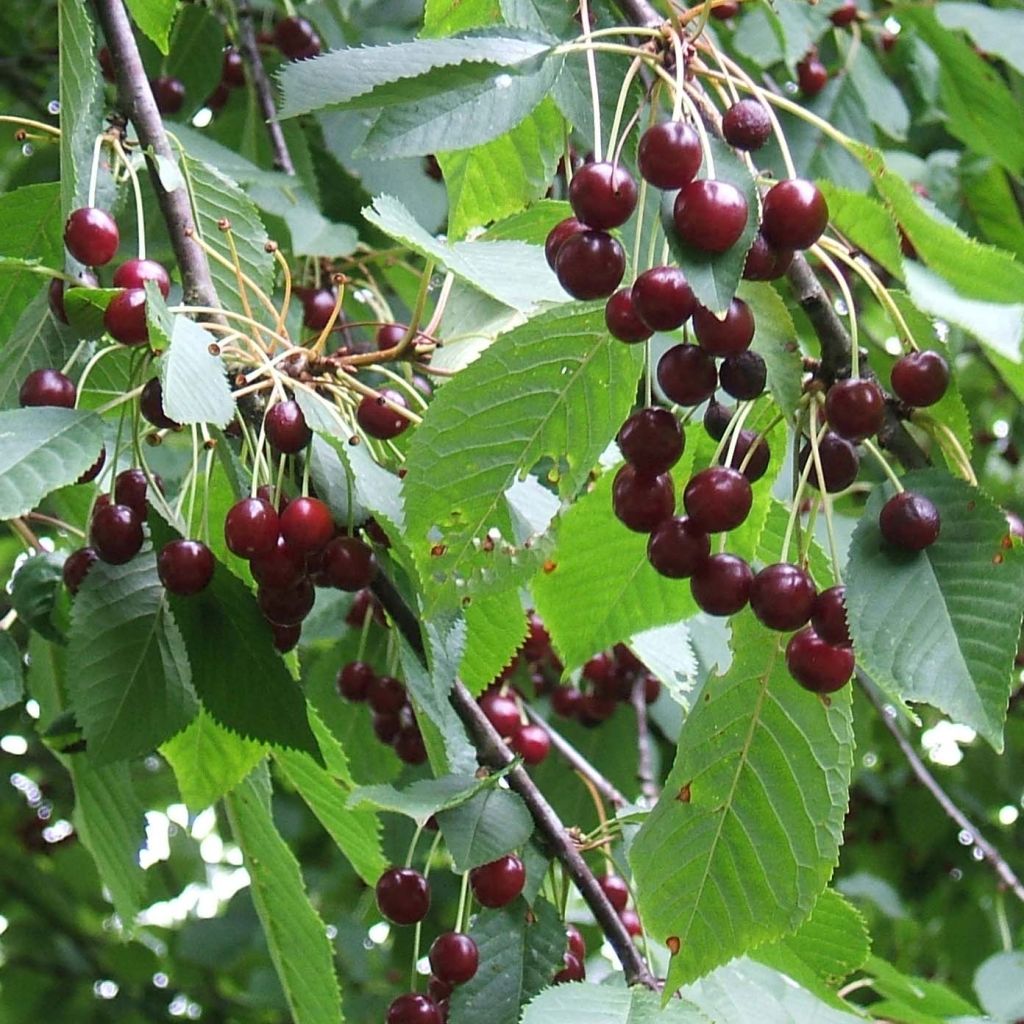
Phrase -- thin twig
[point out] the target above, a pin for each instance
(644, 760)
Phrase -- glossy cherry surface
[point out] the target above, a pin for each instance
(498, 883)
(622, 320)
(642, 500)
(728, 335)
(151, 405)
(403, 895)
(307, 524)
(910, 521)
(651, 440)
(602, 195)
(669, 154)
(135, 274)
(354, 679)
(251, 528)
(317, 308)
(532, 743)
(414, 1009)
(130, 488)
(751, 456)
(920, 378)
(91, 236)
(286, 427)
(718, 499)
(764, 262)
(829, 616)
(169, 93)
(687, 374)
(615, 889)
(185, 567)
(125, 317)
(816, 665)
(677, 548)
(76, 567)
(811, 75)
(744, 376)
(377, 418)
(795, 214)
(663, 299)
(287, 606)
(116, 533)
(296, 38)
(559, 234)
(590, 265)
(454, 958)
(47, 388)
(855, 408)
(782, 596)
(840, 462)
(721, 585)
(502, 712)
(279, 568)
(710, 215)
(349, 564)
(747, 125)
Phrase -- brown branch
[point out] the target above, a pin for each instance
(644, 760)
(989, 853)
(136, 101)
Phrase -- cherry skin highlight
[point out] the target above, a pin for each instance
(622, 320)
(677, 548)
(816, 665)
(920, 378)
(727, 336)
(532, 743)
(710, 215)
(642, 500)
(307, 524)
(602, 195)
(687, 374)
(721, 585)
(135, 274)
(47, 388)
(251, 528)
(718, 499)
(855, 408)
(829, 617)
(782, 596)
(840, 462)
(651, 440)
(669, 154)
(403, 895)
(454, 958)
(663, 299)
(354, 680)
(558, 235)
(414, 1009)
(498, 883)
(185, 567)
(286, 428)
(747, 125)
(910, 521)
(76, 567)
(349, 564)
(91, 236)
(380, 421)
(795, 214)
(116, 533)
(590, 265)
(125, 317)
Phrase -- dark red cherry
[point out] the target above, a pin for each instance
(106, 62)
(91, 236)
(386, 726)
(286, 428)
(307, 524)
(354, 680)
(532, 743)
(409, 745)
(559, 234)
(389, 336)
(125, 317)
(218, 99)
(845, 14)
(151, 405)
(829, 617)
(710, 215)
(349, 564)
(576, 944)
(751, 456)
(403, 895)
(602, 195)
(566, 701)
(498, 883)
(296, 38)
(130, 487)
(439, 990)
(717, 418)
(910, 521)
(669, 154)
(615, 889)
(185, 567)
(47, 388)
(502, 713)
(414, 1009)
(811, 75)
(725, 10)
(764, 262)
(651, 440)
(116, 533)
(378, 419)
(454, 958)
(279, 568)
(782, 596)
(747, 125)
(855, 408)
(232, 70)
(287, 606)
(572, 970)
(642, 500)
(687, 374)
(76, 567)
(718, 499)
(169, 93)
(840, 462)
(663, 298)
(677, 548)
(386, 695)
(721, 585)
(318, 308)
(816, 665)
(744, 375)
(728, 336)
(795, 214)
(621, 319)
(920, 378)
(537, 645)
(631, 922)
(251, 528)
(135, 274)
(590, 265)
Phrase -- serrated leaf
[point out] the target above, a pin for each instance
(917, 995)
(295, 933)
(447, 17)
(485, 827)
(996, 31)
(940, 626)
(587, 1003)
(667, 652)
(33, 592)
(495, 628)
(866, 222)
(422, 799)
(194, 379)
(314, 235)
(41, 449)
(520, 951)
(882, 100)
(747, 831)
(566, 387)
(155, 18)
(775, 340)
(85, 308)
(12, 675)
(159, 319)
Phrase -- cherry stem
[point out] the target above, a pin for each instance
(140, 210)
(614, 147)
(595, 95)
(851, 313)
(94, 172)
(794, 512)
(462, 914)
(826, 498)
(19, 526)
(129, 396)
(418, 934)
(29, 123)
(364, 629)
(677, 104)
(949, 443)
(884, 464)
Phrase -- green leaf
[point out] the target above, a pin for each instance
(155, 18)
(587, 1003)
(422, 799)
(999, 982)
(195, 383)
(196, 56)
(34, 591)
(883, 102)
(866, 223)
(520, 951)
(747, 831)
(667, 652)
(447, 17)
(996, 31)
(916, 995)
(209, 761)
(568, 385)
(295, 933)
(940, 626)
(775, 340)
(41, 449)
(495, 628)
(485, 827)
(85, 308)
(12, 676)
(989, 198)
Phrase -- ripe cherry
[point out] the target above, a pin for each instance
(130, 487)
(414, 1009)
(710, 215)
(728, 336)
(816, 665)
(560, 233)
(389, 336)
(125, 317)
(718, 499)
(317, 308)
(169, 93)
(91, 236)
(76, 567)
(663, 299)
(642, 500)
(566, 701)
(845, 14)
(764, 262)
(669, 154)
(502, 713)
(279, 568)
(615, 889)
(454, 958)
(631, 922)
(687, 374)
(439, 990)
(386, 695)
(106, 62)
(811, 75)
(756, 465)
(354, 680)
(677, 548)
(287, 606)
(744, 375)
(232, 71)
(286, 427)
(622, 320)
(721, 585)
(377, 418)
(840, 462)
(296, 38)
(151, 405)
(794, 215)
(590, 265)
(782, 596)
(920, 378)
(910, 521)
(307, 524)
(498, 883)
(349, 564)
(855, 408)
(651, 440)
(829, 617)
(572, 970)
(185, 567)
(116, 533)
(576, 945)
(602, 195)
(386, 726)
(251, 528)
(717, 418)
(532, 743)
(747, 125)
(135, 274)
(725, 10)
(47, 388)
(409, 745)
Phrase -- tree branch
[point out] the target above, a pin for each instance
(136, 101)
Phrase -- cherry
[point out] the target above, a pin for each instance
(687, 374)
(151, 405)
(651, 440)
(622, 320)
(409, 745)
(710, 215)
(354, 680)
(910, 521)
(94, 470)
(920, 378)
(576, 945)
(76, 567)
(669, 154)
(677, 548)
(279, 568)
(386, 695)
(725, 10)
(559, 234)
(840, 462)
(389, 336)
(726, 337)
(286, 427)
(116, 533)
(631, 922)
(663, 299)
(349, 564)
(566, 701)
(502, 713)
(125, 317)
(717, 418)
(169, 94)
(757, 464)
(811, 75)
(414, 1009)
(602, 195)
(307, 525)
(816, 665)
(251, 528)
(572, 970)
(782, 596)
(380, 421)
(590, 265)
(386, 726)
(642, 500)
(287, 606)
(743, 375)
(454, 958)
(91, 236)
(747, 125)
(218, 99)
(317, 308)
(130, 488)
(498, 883)
(855, 408)
(829, 617)
(232, 72)
(532, 743)
(764, 262)
(47, 387)
(845, 14)
(106, 62)
(135, 274)
(296, 38)
(439, 990)
(794, 214)
(721, 585)
(185, 566)
(537, 645)
(615, 889)
(718, 499)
